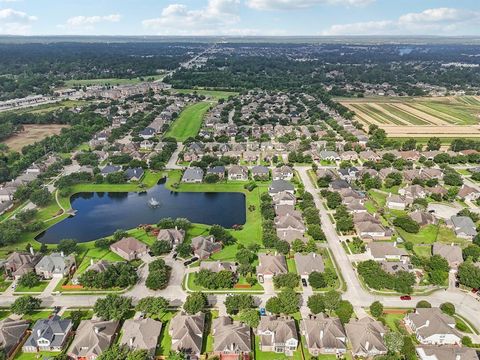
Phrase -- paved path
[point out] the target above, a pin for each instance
(172, 163)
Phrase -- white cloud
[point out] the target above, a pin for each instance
(15, 22)
(217, 17)
(9, 1)
(89, 21)
(438, 21)
(299, 4)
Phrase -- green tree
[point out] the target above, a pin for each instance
(154, 305)
(331, 300)
(315, 304)
(160, 247)
(393, 342)
(344, 311)
(237, 302)
(195, 302)
(408, 348)
(423, 304)
(376, 309)
(250, 317)
(113, 307)
(67, 246)
(25, 305)
(29, 280)
(317, 280)
(448, 308)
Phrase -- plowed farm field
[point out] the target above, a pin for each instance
(420, 117)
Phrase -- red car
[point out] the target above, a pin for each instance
(405, 297)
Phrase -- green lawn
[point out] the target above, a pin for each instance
(37, 315)
(165, 338)
(188, 122)
(426, 235)
(292, 268)
(391, 320)
(4, 284)
(379, 198)
(36, 289)
(35, 356)
(423, 251)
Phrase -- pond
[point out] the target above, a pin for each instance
(100, 214)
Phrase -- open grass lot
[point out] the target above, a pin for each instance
(418, 117)
(165, 338)
(188, 122)
(111, 81)
(216, 94)
(32, 134)
(252, 230)
(4, 284)
(31, 356)
(36, 315)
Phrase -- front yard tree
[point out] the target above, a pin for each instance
(195, 302)
(238, 302)
(448, 308)
(376, 309)
(113, 307)
(344, 311)
(315, 304)
(160, 247)
(29, 280)
(25, 305)
(250, 317)
(152, 305)
(317, 280)
(331, 300)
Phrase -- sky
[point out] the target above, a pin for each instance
(240, 17)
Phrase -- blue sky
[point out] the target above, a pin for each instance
(240, 17)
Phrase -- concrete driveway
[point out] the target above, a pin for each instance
(443, 211)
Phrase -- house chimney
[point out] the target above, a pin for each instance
(131, 341)
(91, 261)
(31, 250)
(367, 345)
(62, 254)
(427, 323)
(39, 333)
(96, 329)
(458, 356)
(321, 334)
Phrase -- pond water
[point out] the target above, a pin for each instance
(99, 214)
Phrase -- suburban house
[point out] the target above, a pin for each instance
(141, 334)
(324, 335)
(192, 175)
(48, 335)
(464, 227)
(396, 202)
(231, 339)
(426, 352)
(270, 265)
(278, 186)
(369, 227)
(217, 266)
(468, 193)
(284, 198)
(129, 248)
(134, 174)
(186, 332)
(260, 172)
(282, 173)
(348, 174)
(55, 265)
(308, 263)
(422, 218)
(432, 326)
(173, 236)
(92, 338)
(366, 337)
(6, 193)
(12, 333)
(278, 334)
(452, 253)
(383, 250)
(147, 133)
(204, 247)
(19, 263)
(99, 266)
(290, 226)
(110, 169)
(217, 170)
(238, 172)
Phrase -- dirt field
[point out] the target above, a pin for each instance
(420, 117)
(32, 134)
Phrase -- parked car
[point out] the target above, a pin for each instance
(405, 297)
(304, 282)
(263, 312)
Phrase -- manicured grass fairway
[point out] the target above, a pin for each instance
(189, 122)
(216, 94)
(110, 81)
